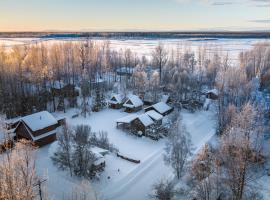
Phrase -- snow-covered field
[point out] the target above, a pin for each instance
(232, 47)
(132, 181)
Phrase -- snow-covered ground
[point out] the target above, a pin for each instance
(232, 47)
(132, 181)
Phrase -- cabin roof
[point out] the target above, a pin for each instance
(154, 115)
(118, 98)
(213, 91)
(127, 119)
(39, 120)
(135, 102)
(161, 107)
(145, 119)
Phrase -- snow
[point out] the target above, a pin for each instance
(99, 150)
(161, 107)
(146, 120)
(154, 115)
(214, 91)
(40, 120)
(127, 119)
(118, 97)
(127, 180)
(165, 98)
(135, 102)
(145, 47)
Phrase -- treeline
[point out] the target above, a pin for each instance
(36, 77)
(142, 34)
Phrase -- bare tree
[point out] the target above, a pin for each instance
(178, 148)
(63, 156)
(17, 173)
(160, 58)
(163, 190)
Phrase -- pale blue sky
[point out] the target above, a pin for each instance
(118, 15)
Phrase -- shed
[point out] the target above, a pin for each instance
(161, 107)
(133, 104)
(116, 101)
(39, 127)
(212, 94)
(125, 122)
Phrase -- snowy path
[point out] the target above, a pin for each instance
(138, 183)
(133, 181)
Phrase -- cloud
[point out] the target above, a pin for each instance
(255, 3)
(264, 21)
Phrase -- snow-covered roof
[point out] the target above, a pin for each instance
(127, 119)
(116, 98)
(165, 98)
(214, 91)
(98, 150)
(135, 101)
(161, 107)
(145, 119)
(40, 120)
(126, 70)
(154, 115)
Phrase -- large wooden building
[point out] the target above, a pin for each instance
(133, 104)
(39, 127)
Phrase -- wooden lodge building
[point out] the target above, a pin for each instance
(140, 123)
(161, 108)
(133, 104)
(39, 127)
(116, 101)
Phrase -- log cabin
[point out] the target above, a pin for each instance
(116, 101)
(133, 104)
(41, 128)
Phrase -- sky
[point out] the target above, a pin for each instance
(134, 15)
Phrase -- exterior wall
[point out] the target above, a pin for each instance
(21, 132)
(46, 140)
(130, 110)
(45, 130)
(115, 106)
(138, 126)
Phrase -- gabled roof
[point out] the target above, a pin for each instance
(161, 107)
(133, 102)
(116, 98)
(127, 119)
(213, 91)
(165, 98)
(146, 120)
(154, 115)
(40, 120)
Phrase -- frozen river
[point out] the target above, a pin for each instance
(141, 47)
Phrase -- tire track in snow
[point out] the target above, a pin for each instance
(119, 187)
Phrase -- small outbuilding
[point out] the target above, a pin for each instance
(161, 107)
(116, 101)
(39, 127)
(125, 122)
(212, 94)
(133, 104)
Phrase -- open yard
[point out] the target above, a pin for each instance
(126, 180)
